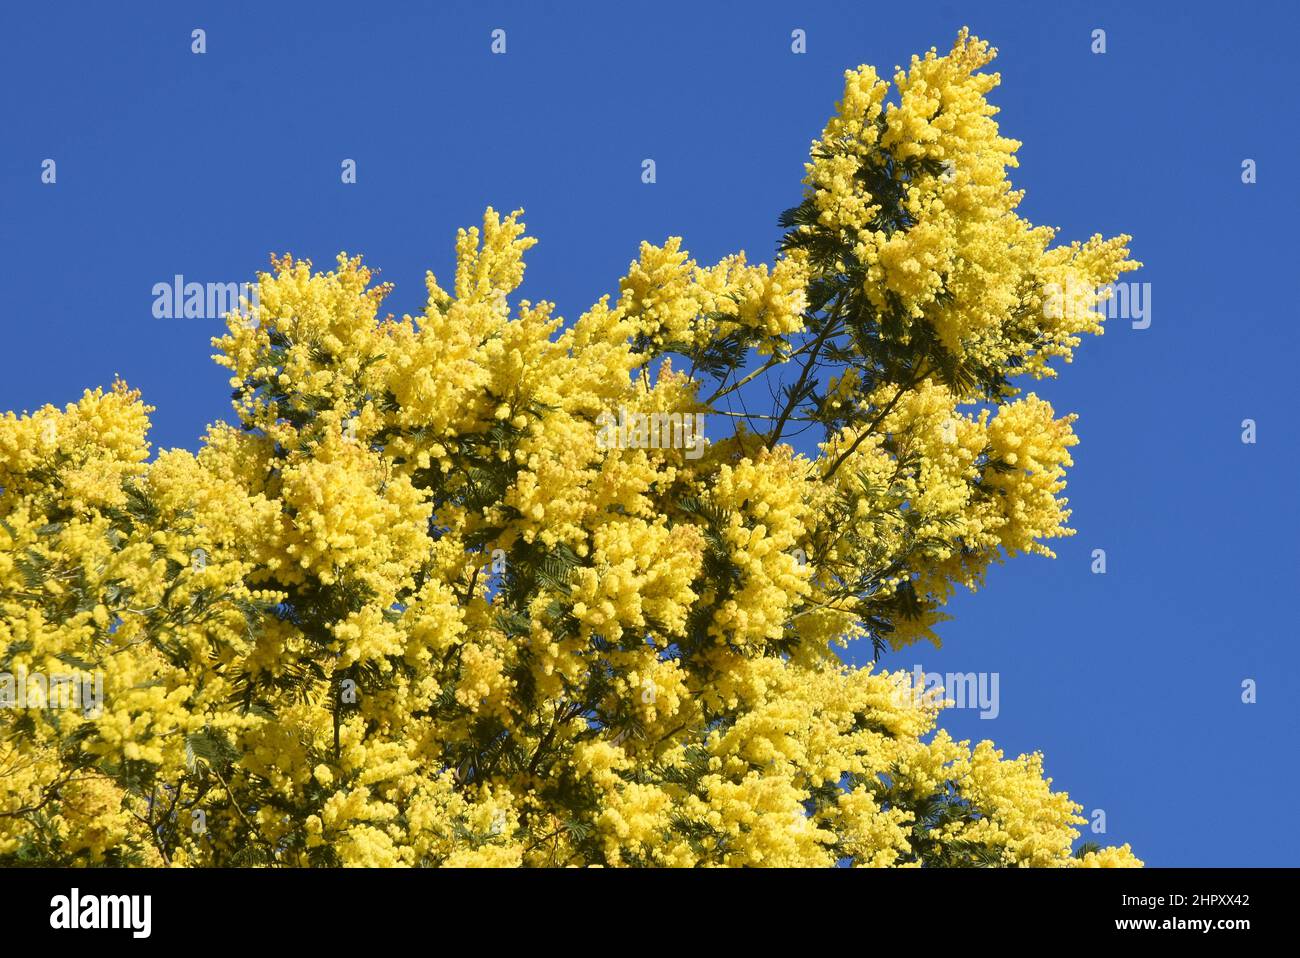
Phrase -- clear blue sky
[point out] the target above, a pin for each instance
(169, 162)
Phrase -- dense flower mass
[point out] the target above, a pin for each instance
(409, 610)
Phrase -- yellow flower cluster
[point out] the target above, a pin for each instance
(939, 236)
(410, 611)
(673, 301)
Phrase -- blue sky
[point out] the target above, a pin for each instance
(1129, 682)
